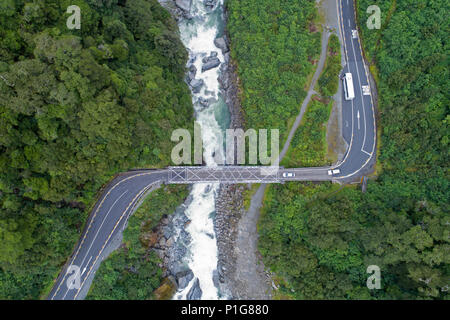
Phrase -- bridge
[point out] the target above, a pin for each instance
(243, 174)
(122, 196)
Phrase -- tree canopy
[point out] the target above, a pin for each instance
(77, 107)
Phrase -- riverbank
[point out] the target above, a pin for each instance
(216, 108)
(229, 211)
(251, 279)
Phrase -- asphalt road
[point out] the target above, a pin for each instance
(120, 198)
(108, 217)
(359, 127)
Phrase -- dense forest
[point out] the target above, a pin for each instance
(318, 239)
(275, 45)
(132, 271)
(77, 106)
(309, 146)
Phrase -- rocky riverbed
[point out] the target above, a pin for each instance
(172, 240)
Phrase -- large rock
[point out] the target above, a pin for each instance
(224, 81)
(178, 267)
(216, 278)
(184, 278)
(192, 72)
(211, 63)
(196, 85)
(184, 4)
(204, 103)
(210, 4)
(195, 293)
(221, 43)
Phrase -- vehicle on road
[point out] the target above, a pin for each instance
(288, 174)
(333, 172)
(348, 86)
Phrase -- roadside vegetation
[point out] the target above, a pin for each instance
(131, 272)
(320, 238)
(328, 85)
(78, 106)
(309, 145)
(275, 45)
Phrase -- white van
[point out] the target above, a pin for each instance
(348, 86)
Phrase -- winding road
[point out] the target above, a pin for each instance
(123, 195)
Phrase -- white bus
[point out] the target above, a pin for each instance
(348, 87)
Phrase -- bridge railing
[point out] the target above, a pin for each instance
(223, 174)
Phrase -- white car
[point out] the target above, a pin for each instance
(288, 174)
(333, 172)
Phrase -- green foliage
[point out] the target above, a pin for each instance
(274, 50)
(132, 271)
(401, 222)
(77, 106)
(328, 81)
(309, 145)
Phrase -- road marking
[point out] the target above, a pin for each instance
(359, 127)
(339, 6)
(369, 154)
(101, 225)
(341, 28)
(87, 265)
(373, 113)
(362, 98)
(95, 237)
(366, 90)
(92, 220)
(137, 197)
(340, 18)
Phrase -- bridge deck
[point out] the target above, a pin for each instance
(223, 174)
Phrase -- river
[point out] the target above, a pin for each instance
(198, 36)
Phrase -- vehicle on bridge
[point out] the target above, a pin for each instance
(348, 86)
(333, 172)
(288, 174)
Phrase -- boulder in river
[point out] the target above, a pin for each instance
(196, 85)
(221, 43)
(203, 102)
(210, 4)
(216, 278)
(192, 72)
(184, 4)
(211, 63)
(195, 293)
(184, 278)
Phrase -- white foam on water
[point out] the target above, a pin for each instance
(198, 36)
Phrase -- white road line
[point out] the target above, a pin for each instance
(130, 207)
(96, 234)
(362, 98)
(87, 265)
(103, 221)
(369, 154)
(340, 17)
(341, 28)
(359, 127)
